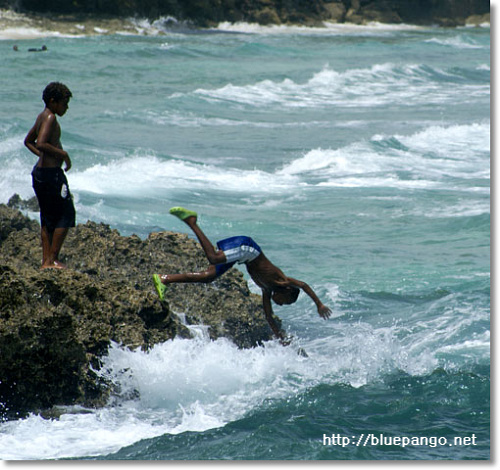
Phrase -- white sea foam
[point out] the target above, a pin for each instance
(434, 158)
(457, 143)
(16, 179)
(443, 335)
(328, 29)
(147, 175)
(199, 384)
(146, 27)
(379, 85)
(16, 171)
(184, 385)
(458, 42)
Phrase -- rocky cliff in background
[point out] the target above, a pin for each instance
(205, 13)
(56, 324)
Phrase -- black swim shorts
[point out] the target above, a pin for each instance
(55, 200)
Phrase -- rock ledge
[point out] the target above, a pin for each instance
(55, 325)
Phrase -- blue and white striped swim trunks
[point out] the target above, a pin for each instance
(239, 249)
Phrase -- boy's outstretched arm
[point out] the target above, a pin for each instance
(268, 311)
(323, 310)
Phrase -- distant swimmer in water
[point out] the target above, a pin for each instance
(34, 49)
(275, 285)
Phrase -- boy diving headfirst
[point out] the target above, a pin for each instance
(282, 289)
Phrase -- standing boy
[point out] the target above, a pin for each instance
(273, 282)
(57, 212)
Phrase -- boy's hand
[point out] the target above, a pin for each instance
(324, 312)
(286, 340)
(67, 161)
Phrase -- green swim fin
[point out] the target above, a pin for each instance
(182, 213)
(160, 287)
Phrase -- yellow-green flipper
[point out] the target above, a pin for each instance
(182, 213)
(160, 287)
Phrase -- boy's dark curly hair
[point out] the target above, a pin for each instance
(291, 292)
(56, 91)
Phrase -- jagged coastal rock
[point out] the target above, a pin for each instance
(208, 13)
(55, 325)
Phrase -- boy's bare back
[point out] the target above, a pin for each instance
(265, 274)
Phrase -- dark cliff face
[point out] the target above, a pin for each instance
(56, 324)
(423, 12)
(307, 12)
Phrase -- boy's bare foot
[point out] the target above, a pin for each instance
(54, 265)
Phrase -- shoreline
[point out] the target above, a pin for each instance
(26, 26)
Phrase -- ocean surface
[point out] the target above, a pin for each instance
(357, 157)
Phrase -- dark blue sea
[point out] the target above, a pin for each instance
(357, 157)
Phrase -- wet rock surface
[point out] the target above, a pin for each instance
(55, 325)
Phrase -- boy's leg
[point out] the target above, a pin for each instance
(215, 257)
(56, 241)
(46, 237)
(203, 277)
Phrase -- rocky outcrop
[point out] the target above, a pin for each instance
(55, 325)
(305, 12)
(418, 12)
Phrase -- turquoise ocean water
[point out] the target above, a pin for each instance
(357, 157)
